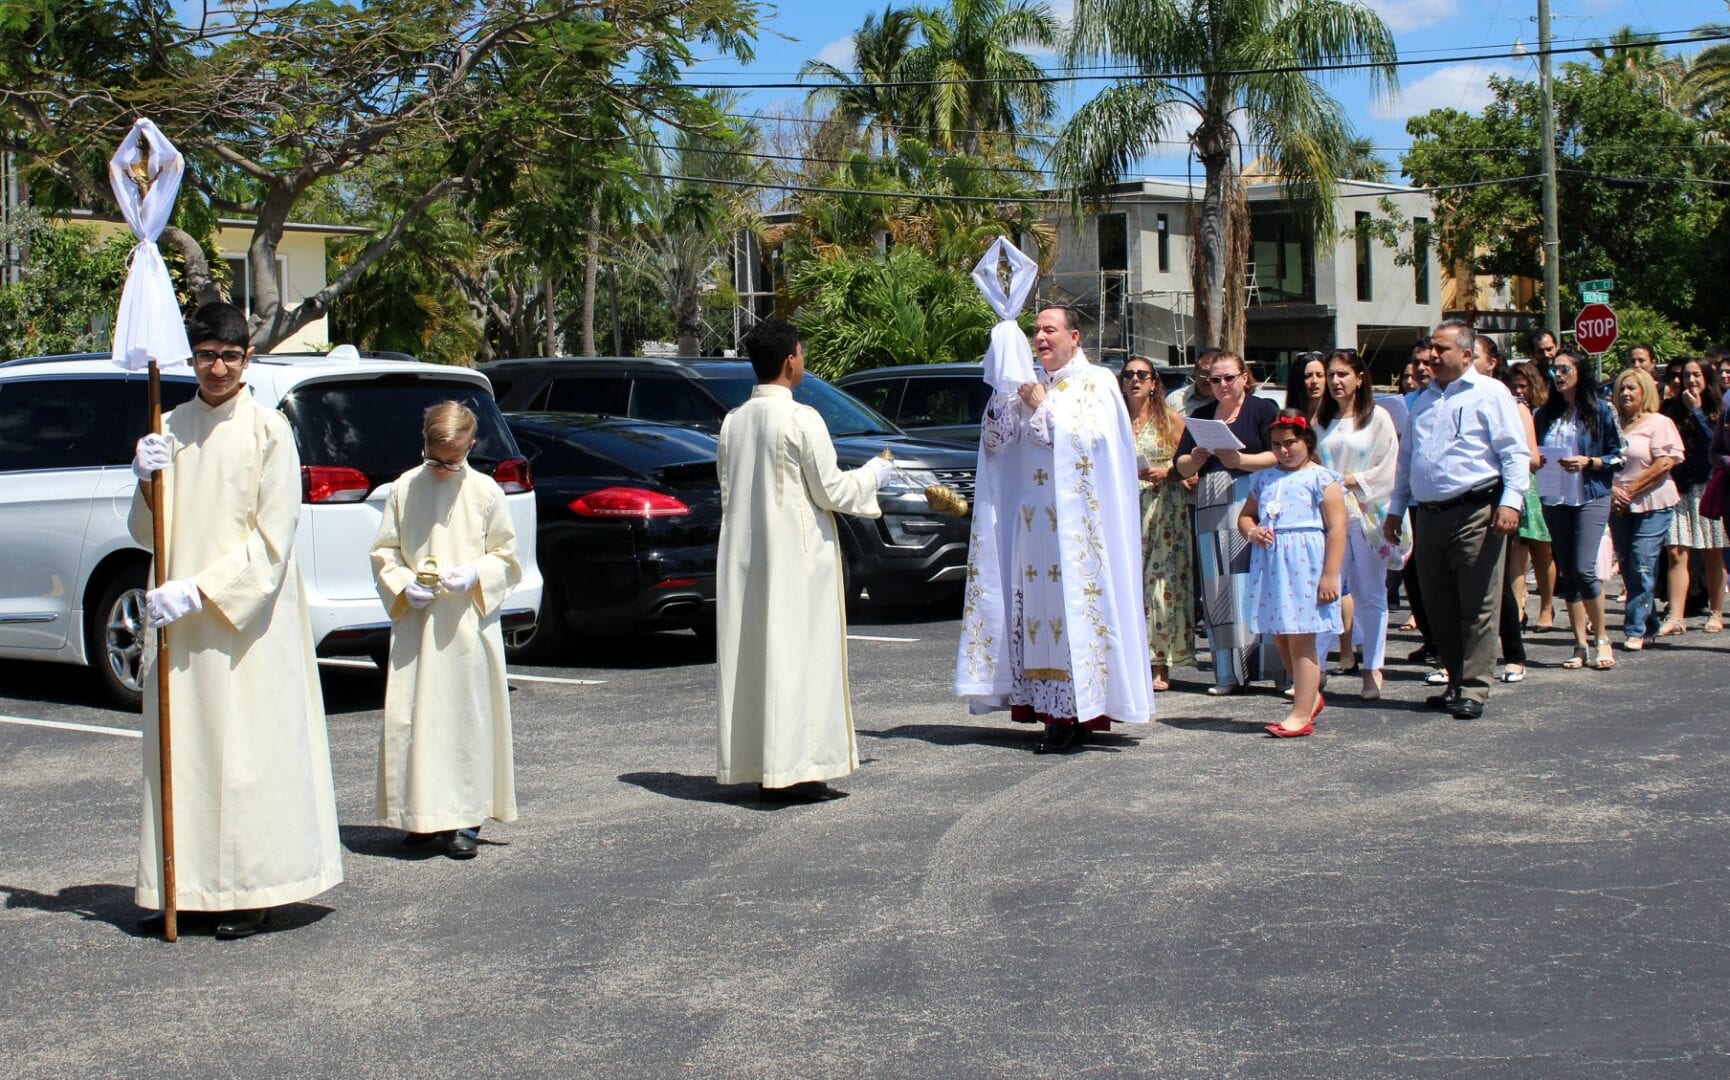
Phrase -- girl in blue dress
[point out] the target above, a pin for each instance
(1295, 520)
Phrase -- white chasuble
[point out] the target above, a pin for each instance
(1052, 616)
(254, 811)
(444, 759)
(781, 622)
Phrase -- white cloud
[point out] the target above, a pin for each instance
(1403, 15)
(839, 52)
(1459, 86)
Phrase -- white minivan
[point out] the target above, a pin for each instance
(71, 577)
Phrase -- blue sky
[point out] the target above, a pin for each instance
(797, 30)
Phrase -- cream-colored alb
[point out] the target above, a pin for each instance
(254, 811)
(781, 629)
(445, 754)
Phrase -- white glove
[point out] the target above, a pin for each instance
(882, 469)
(175, 600)
(460, 579)
(419, 595)
(152, 456)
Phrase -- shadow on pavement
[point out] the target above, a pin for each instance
(1221, 724)
(887, 613)
(60, 684)
(639, 652)
(705, 789)
(1020, 737)
(112, 904)
(380, 842)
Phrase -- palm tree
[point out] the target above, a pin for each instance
(880, 49)
(1637, 53)
(979, 83)
(1214, 67)
(1706, 86)
(1361, 162)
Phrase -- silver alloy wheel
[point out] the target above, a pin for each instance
(124, 639)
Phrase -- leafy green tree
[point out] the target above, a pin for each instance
(858, 312)
(880, 48)
(71, 282)
(274, 100)
(981, 83)
(1207, 70)
(1627, 212)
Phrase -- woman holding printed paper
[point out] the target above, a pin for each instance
(1583, 448)
(1225, 445)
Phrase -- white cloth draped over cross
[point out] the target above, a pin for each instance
(148, 325)
(1009, 359)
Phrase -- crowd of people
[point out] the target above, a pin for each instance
(1475, 486)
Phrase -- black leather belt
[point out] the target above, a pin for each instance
(1487, 493)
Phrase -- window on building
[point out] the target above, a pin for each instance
(1162, 227)
(1113, 242)
(240, 290)
(1284, 257)
(1365, 293)
(1421, 260)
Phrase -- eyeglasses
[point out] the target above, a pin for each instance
(207, 357)
(1221, 380)
(1136, 376)
(1562, 369)
(443, 466)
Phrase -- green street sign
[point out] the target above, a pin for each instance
(1597, 285)
(1594, 296)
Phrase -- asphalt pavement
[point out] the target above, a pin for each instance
(1540, 892)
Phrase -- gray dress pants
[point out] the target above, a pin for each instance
(1460, 559)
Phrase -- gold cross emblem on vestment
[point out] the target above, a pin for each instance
(1039, 477)
(1054, 573)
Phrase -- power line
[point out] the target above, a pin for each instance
(1035, 200)
(1172, 76)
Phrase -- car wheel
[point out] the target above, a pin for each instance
(550, 636)
(115, 636)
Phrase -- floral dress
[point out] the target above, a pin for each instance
(1283, 579)
(1168, 593)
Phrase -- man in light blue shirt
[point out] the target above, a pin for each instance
(1464, 467)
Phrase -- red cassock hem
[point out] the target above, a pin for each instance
(1025, 714)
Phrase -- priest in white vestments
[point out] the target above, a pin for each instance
(254, 810)
(446, 559)
(781, 623)
(1052, 626)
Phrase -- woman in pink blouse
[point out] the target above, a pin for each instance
(1642, 500)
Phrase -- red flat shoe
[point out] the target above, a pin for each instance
(1320, 702)
(1279, 732)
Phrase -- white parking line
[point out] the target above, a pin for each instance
(869, 637)
(512, 675)
(94, 729)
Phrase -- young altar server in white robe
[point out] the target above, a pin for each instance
(444, 763)
(254, 810)
(1052, 625)
(781, 623)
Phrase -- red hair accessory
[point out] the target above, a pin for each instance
(1291, 421)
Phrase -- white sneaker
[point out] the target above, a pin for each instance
(1438, 677)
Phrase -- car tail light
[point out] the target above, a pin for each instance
(676, 583)
(627, 502)
(512, 476)
(332, 484)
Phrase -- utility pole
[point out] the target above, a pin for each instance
(1552, 227)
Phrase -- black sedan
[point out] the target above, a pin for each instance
(629, 522)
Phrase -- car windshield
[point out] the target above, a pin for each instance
(841, 414)
(375, 426)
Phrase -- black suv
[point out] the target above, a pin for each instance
(908, 554)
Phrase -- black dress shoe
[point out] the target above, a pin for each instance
(1447, 699)
(1057, 739)
(154, 924)
(1422, 655)
(242, 924)
(461, 845)
(1466, 709)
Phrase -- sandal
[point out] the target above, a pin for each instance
(1514, 673)
(1714, 625)
(1606, 659)
(1634, 644)
(1161, 684)
(1578, 660)
(1673, 627)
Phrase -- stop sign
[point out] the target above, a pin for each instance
(1595, 329)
